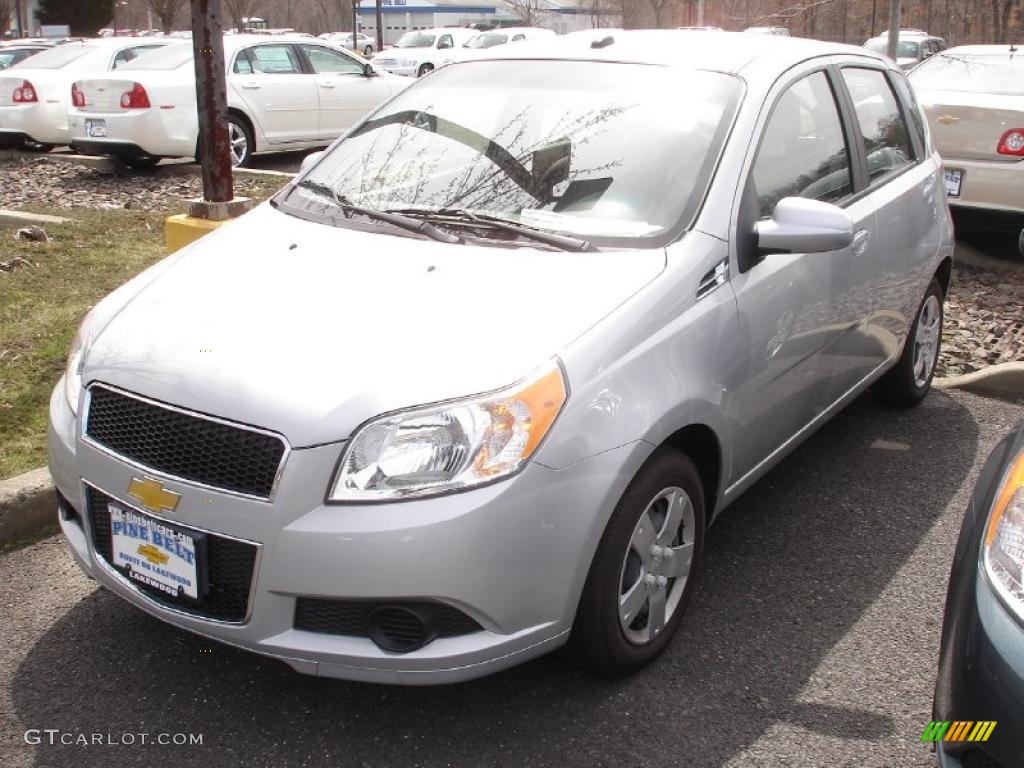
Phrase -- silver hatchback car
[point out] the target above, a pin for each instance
(476, 383)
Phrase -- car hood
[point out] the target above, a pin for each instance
(309, 330)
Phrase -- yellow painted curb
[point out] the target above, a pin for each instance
(182, 229)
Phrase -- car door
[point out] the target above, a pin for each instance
(280, 95)
(345, 93)
(904, 190)
(800, 314)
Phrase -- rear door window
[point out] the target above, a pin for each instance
(803, 151)
(883, 129)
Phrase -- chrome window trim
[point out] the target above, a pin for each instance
(109, 569)
(84, 436)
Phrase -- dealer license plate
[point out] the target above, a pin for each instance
(155, 554)
(96, 129)
(953, 177)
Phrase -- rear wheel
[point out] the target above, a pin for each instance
(425, 69)
(909, 380)
(36, 146)
(241, 141)
(139, 162)
(643, 572)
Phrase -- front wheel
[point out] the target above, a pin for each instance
(368, 51)
(426, 69)
(140, 162)
(36, 146)
(909, 380)
(643, 572)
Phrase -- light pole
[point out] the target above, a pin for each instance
(17, 18)
(380, 29)
(892, 43)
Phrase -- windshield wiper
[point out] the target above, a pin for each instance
(563, 242)
(393, 218)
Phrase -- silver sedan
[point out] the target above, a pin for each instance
(477, 383)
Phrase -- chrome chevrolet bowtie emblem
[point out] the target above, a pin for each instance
(153, 495)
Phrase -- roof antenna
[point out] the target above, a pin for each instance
(604, 42)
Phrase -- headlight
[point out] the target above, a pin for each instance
(452, 446)
(73, 372)
(1004, 538)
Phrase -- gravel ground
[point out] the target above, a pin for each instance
(49, 183)
(984, 319)
(811, 641)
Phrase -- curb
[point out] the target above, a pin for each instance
(28, 502)
(28, 505)
(1004, 381)
(22, 218)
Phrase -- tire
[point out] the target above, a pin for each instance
(1020, 244)
(425, 69)
(140, 162)
(238, 131)
(603, 640)
(906, 383)
(36, 146)
(368, 51)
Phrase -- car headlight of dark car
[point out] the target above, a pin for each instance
(1003, 545)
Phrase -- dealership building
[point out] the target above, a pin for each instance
(401, 16)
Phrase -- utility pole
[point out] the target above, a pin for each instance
(212, 101)
(874, 15)
(380, 29)
(355, 23)
(18, 21)
(894, 28)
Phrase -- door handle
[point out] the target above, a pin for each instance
(860, 242)
(326, 85)
(251, 86)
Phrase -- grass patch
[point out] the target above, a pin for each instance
(42, 533)
(40, 308)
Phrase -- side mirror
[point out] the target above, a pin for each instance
(310, 160)
(368, 70)
(800, 225)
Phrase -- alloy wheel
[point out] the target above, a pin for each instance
(239, 144)
(656, 565)
(926, 340)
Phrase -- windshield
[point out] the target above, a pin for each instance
(588, 149)
(905, 49)
(169, 57)
(61, 56)
(415, 40)
(972, 73)
(488, 40)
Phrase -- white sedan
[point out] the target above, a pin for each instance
(283, 93)
(35, 95)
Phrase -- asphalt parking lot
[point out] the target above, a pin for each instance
(811, 641)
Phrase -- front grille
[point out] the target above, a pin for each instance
(407, 623)
(184, 445)
(229, 568)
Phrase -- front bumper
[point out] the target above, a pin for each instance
(513, 556)
(44, 122)
(989, 185)
(403, 71)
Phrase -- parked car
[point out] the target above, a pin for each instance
(15, 54)
(973, 97)
(419, 52)
(412, 448)
(364, 44)
(505, 35)
(35, 95)
(778, 31)
(913, 46)
(283, 93)
(977, 708)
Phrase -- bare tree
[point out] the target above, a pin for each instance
(239, 10)
(166, 12)
(7, 15)
(533, 13)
